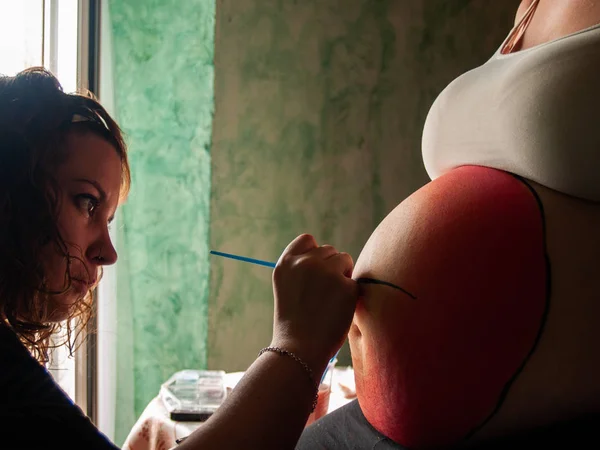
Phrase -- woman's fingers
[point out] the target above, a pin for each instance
(343, 263)
(306, 246)
(302, 244)
(324, 251)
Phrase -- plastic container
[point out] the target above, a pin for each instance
(193, 395)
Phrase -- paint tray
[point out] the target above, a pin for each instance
(193, 395)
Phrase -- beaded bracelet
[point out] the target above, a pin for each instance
(307, 369)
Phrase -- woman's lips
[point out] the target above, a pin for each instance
(87, 284)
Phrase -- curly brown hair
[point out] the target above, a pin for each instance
(36, 116)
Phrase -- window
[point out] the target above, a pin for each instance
(44, 33)
(21, 35)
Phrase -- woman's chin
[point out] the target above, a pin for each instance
(62, 305)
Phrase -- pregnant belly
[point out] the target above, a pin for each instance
(470, 247)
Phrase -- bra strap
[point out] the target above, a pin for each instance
(518, 31)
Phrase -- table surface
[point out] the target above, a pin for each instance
(154, 430)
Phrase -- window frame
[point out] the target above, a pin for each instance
(85, 367)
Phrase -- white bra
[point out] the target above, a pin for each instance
(534, 113)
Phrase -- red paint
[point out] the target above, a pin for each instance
(432, 369)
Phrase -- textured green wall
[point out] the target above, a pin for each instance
(319, 111)
(163, 80)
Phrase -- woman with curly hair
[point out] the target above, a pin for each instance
(63, 173)
(50, 264)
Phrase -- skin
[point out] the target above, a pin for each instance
(554, 19)
(419, 362)
(561, 379)
(89, 181)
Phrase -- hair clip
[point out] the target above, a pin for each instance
(92, 116)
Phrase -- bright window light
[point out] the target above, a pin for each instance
(21, 35)
(66, 70)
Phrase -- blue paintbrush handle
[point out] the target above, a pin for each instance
(243, 258)
(327, 369)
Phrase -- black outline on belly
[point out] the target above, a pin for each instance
(507, 386)
(384, 283)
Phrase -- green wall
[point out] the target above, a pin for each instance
(319, 111)
(163, 89)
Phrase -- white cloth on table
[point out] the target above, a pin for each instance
(154, 430)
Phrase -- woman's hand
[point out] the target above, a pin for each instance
(314, 305)
(315, 298)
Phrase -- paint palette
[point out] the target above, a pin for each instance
(193, 395)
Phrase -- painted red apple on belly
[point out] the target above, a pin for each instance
(470, 247)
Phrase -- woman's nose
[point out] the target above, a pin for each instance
(111, 255)
(103, 253)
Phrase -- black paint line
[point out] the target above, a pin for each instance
(384, 283)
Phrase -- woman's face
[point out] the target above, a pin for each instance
(89, 181)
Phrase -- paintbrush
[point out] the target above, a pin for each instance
(272, 265)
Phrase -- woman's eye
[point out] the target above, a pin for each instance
(87, 203)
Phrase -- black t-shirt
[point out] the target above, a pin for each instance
(35, 413)
(347, 429)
